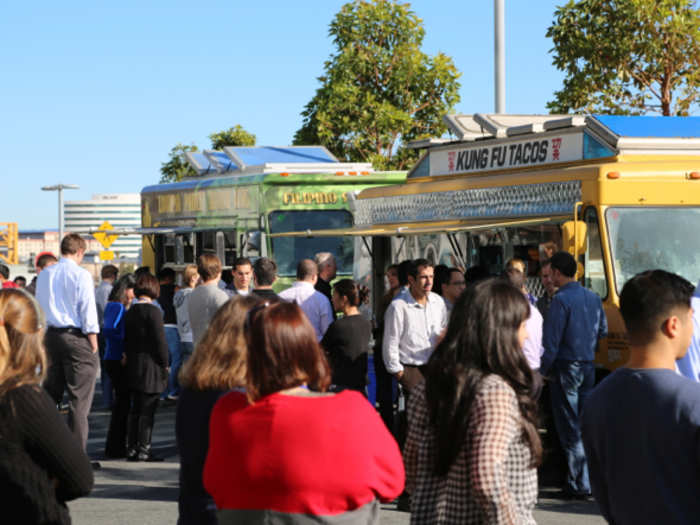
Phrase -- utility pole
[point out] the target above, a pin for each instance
(59, 188)
(500, 54)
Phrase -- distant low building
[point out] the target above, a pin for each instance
(30, 243)
(121, 210)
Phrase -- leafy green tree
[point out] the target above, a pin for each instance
(235, 136)
(379, 90)
(177, 168)
(627, 56)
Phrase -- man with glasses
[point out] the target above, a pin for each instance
(453, 288)
(549, 288)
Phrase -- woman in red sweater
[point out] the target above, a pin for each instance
(289, 450)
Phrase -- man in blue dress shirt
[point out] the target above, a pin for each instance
(573, 326)
(66, 293)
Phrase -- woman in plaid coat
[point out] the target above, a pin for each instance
(472, 448)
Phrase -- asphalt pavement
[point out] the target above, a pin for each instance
(146, 493)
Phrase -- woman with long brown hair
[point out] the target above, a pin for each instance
(42, 464)
(472, 447)
(296, 450)
(217, 367)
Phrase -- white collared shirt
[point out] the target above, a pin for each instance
(411, 330)
(532, 348)
(315, 305)
(66, 293)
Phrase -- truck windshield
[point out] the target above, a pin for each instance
(654, 238)
(288, 251)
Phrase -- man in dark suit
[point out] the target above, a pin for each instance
(327, 270)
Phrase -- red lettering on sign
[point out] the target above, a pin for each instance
(451, 160)
(556, 146)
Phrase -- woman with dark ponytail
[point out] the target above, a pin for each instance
(113, 330)
(346, 341)
(473, 447)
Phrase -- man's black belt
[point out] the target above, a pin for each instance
(73, 330)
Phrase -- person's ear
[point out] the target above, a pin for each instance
(672, 327)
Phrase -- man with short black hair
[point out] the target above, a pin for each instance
(66, 293)
(5, 277)
(412, 325)
(453, 288)
(314, 304)
(264, 276)
(242, 275)
(207, 298)
(43, 260)
(641, 424)
(572, 330)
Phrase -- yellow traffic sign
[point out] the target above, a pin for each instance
(106, 255)
(105, 239)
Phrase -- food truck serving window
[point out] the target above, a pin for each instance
(288, 251)
(654, 238)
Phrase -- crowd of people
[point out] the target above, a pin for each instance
(273, 422)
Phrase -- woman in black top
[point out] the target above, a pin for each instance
(146, 366)
(346, 341)
(218, 366)
(42, 465)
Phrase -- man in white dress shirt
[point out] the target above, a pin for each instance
(413, 323)
(315, 305)
(66, 293)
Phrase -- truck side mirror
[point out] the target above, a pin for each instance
(573, 237)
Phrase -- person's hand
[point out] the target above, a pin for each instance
(399, 375)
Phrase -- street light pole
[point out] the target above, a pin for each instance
(500, 54)
(59, 188)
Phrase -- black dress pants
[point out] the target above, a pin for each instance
(141, 415)
(115, 446)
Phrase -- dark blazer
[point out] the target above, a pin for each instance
(146, 349)
(325, 288)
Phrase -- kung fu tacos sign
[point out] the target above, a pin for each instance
(477, 157)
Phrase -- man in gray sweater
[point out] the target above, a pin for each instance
(206, 298)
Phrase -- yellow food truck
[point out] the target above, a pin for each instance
(621, 193)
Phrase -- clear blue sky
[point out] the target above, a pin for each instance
(97, 96)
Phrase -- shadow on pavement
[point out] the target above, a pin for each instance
(131, 492)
